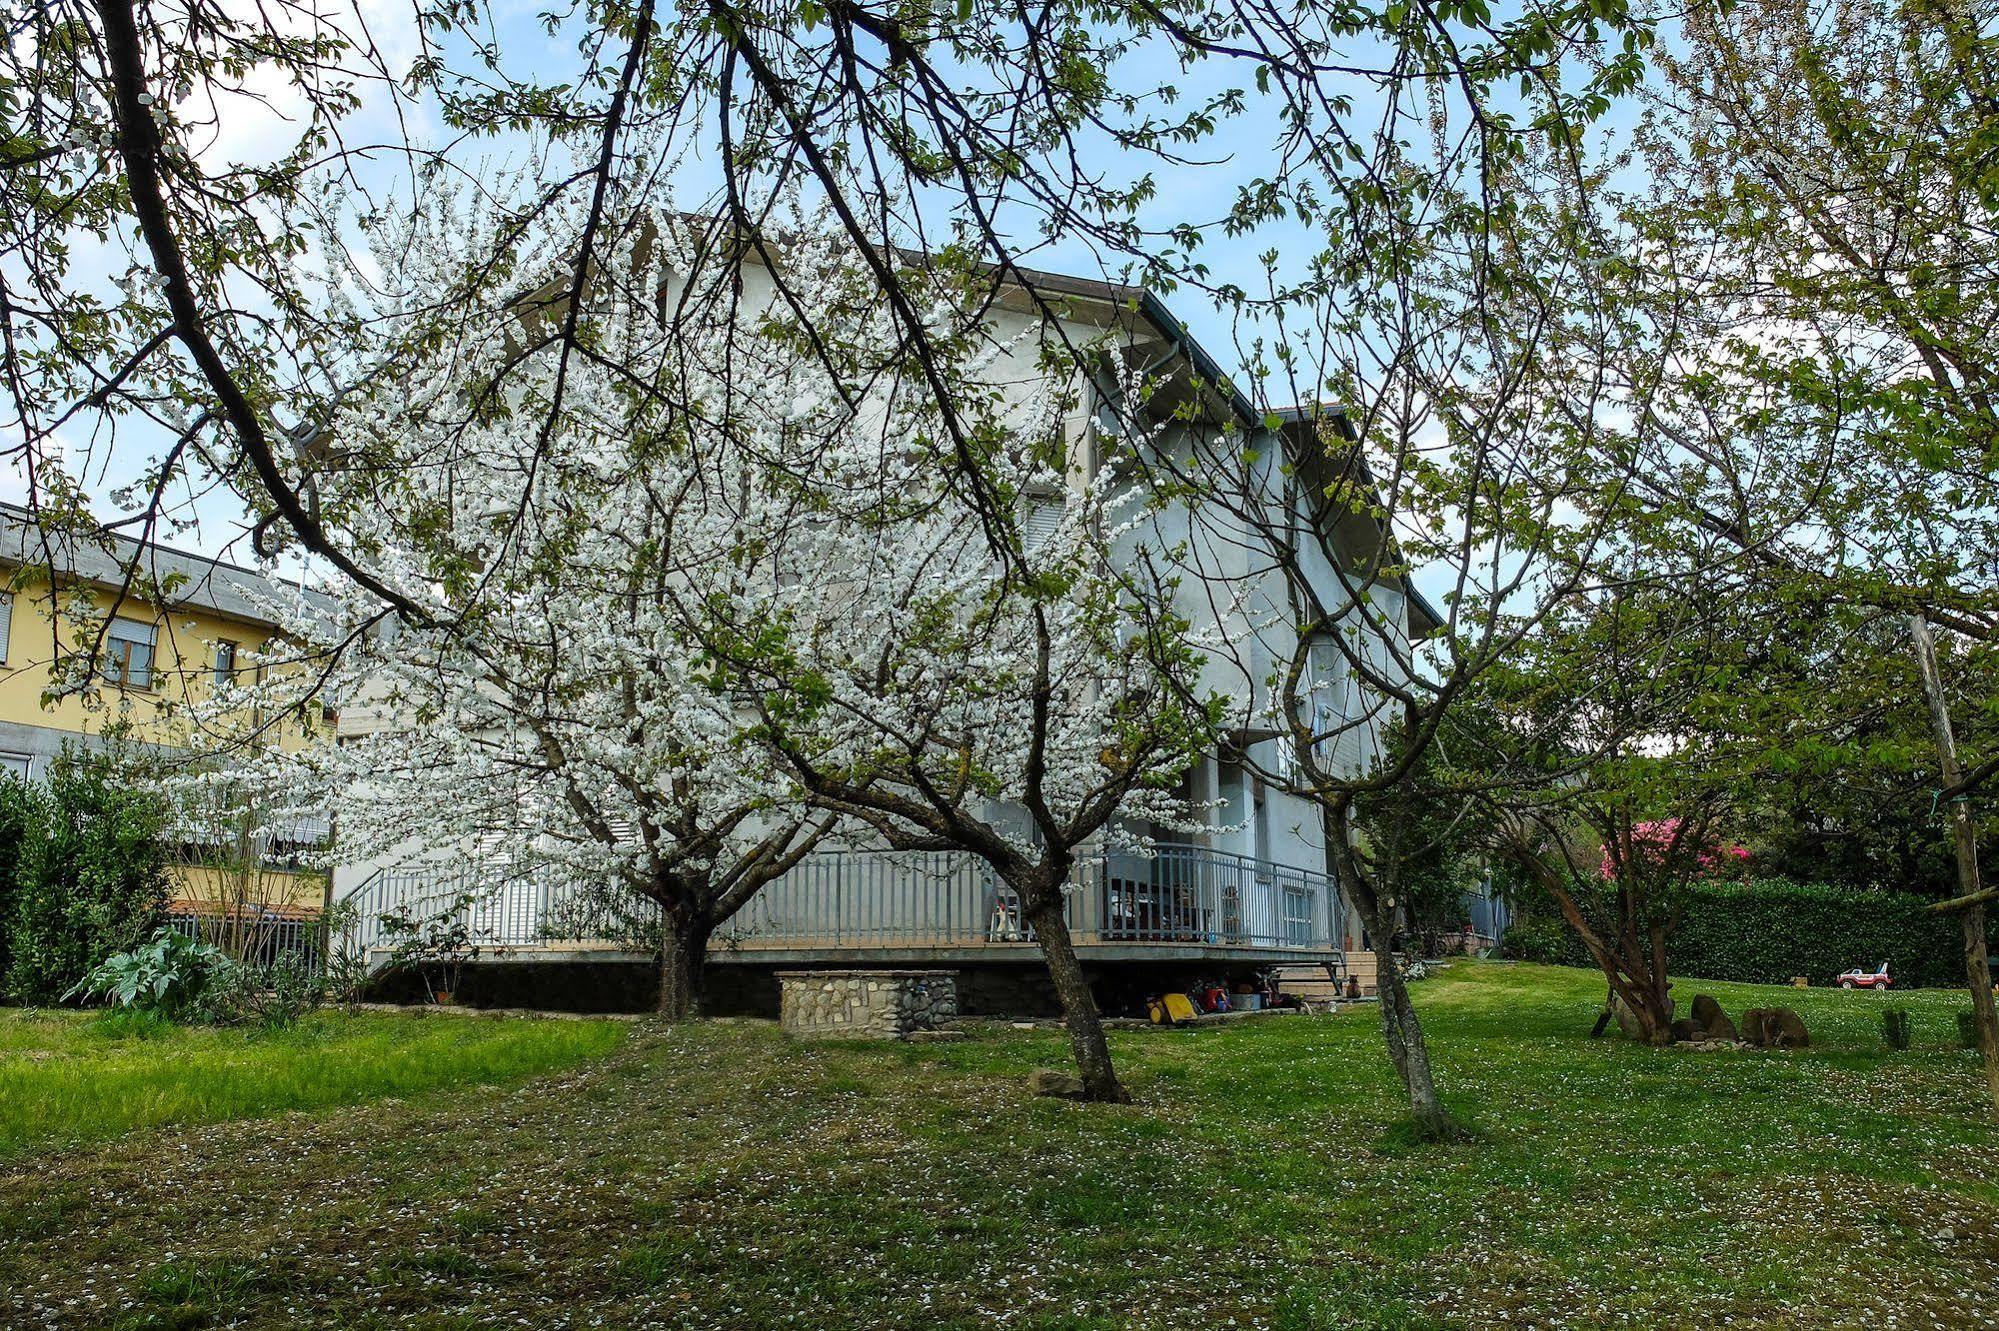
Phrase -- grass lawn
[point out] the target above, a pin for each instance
(719, 1176)
(70, 1077)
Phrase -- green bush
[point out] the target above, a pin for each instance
(273, 996)
(1766, 931)
(1769, 931)
(88, 876)
(177, 978)
(1542, 938)
(20, 809)
(168, 974)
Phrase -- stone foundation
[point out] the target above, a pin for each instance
(863, 1004)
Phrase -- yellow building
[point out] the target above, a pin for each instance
(70, 616)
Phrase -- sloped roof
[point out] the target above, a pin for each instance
(1425, 619)
(204, 583)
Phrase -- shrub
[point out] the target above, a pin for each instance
(273, 996)
(437, 946)
(176, 977)
(1766, 931)
(168, 974)
(1769, 931)
(1542, 938)
(88, 877)
(20, 809)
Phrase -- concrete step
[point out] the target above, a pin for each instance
(1313, 982)
(1316, 984)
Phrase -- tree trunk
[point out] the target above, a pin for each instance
(1403, 1030)
(1977, 965)
(1079, 1005)
(1640, 985)
(1978, 974)
(683, 954)
(1653, 1013)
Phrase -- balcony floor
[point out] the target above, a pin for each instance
(919, 954)
(903, 954)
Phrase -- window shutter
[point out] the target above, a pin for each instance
(1039, 517)
(6, 623)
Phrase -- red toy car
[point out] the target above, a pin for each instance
(1860, 979)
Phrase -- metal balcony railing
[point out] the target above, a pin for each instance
(1173, 895)
(1177, 894)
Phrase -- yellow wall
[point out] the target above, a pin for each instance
(222, 890)
(183, 671)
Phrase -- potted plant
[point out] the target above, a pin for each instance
(435, 946)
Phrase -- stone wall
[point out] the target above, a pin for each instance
(863, 1004)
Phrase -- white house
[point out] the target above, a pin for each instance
(1253, 889)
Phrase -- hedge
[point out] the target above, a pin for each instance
(86, 874)
(1767, 931)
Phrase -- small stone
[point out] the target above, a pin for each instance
(1049, 1081)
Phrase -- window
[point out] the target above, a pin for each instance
(1287, 758)
(129, 651)
(6, 622)
(1259, 816)
(225, 664)
(16, 764)
(1040, 518)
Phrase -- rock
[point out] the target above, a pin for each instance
(1685, 1031)
(1786, 1029)
(1712, 1019)
(1048, 1081)
(1712, 1046)
(1627, 1019)
(1775, 1028)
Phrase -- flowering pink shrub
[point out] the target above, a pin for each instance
(1652, 842)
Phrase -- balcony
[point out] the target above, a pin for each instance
(1177, 902)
